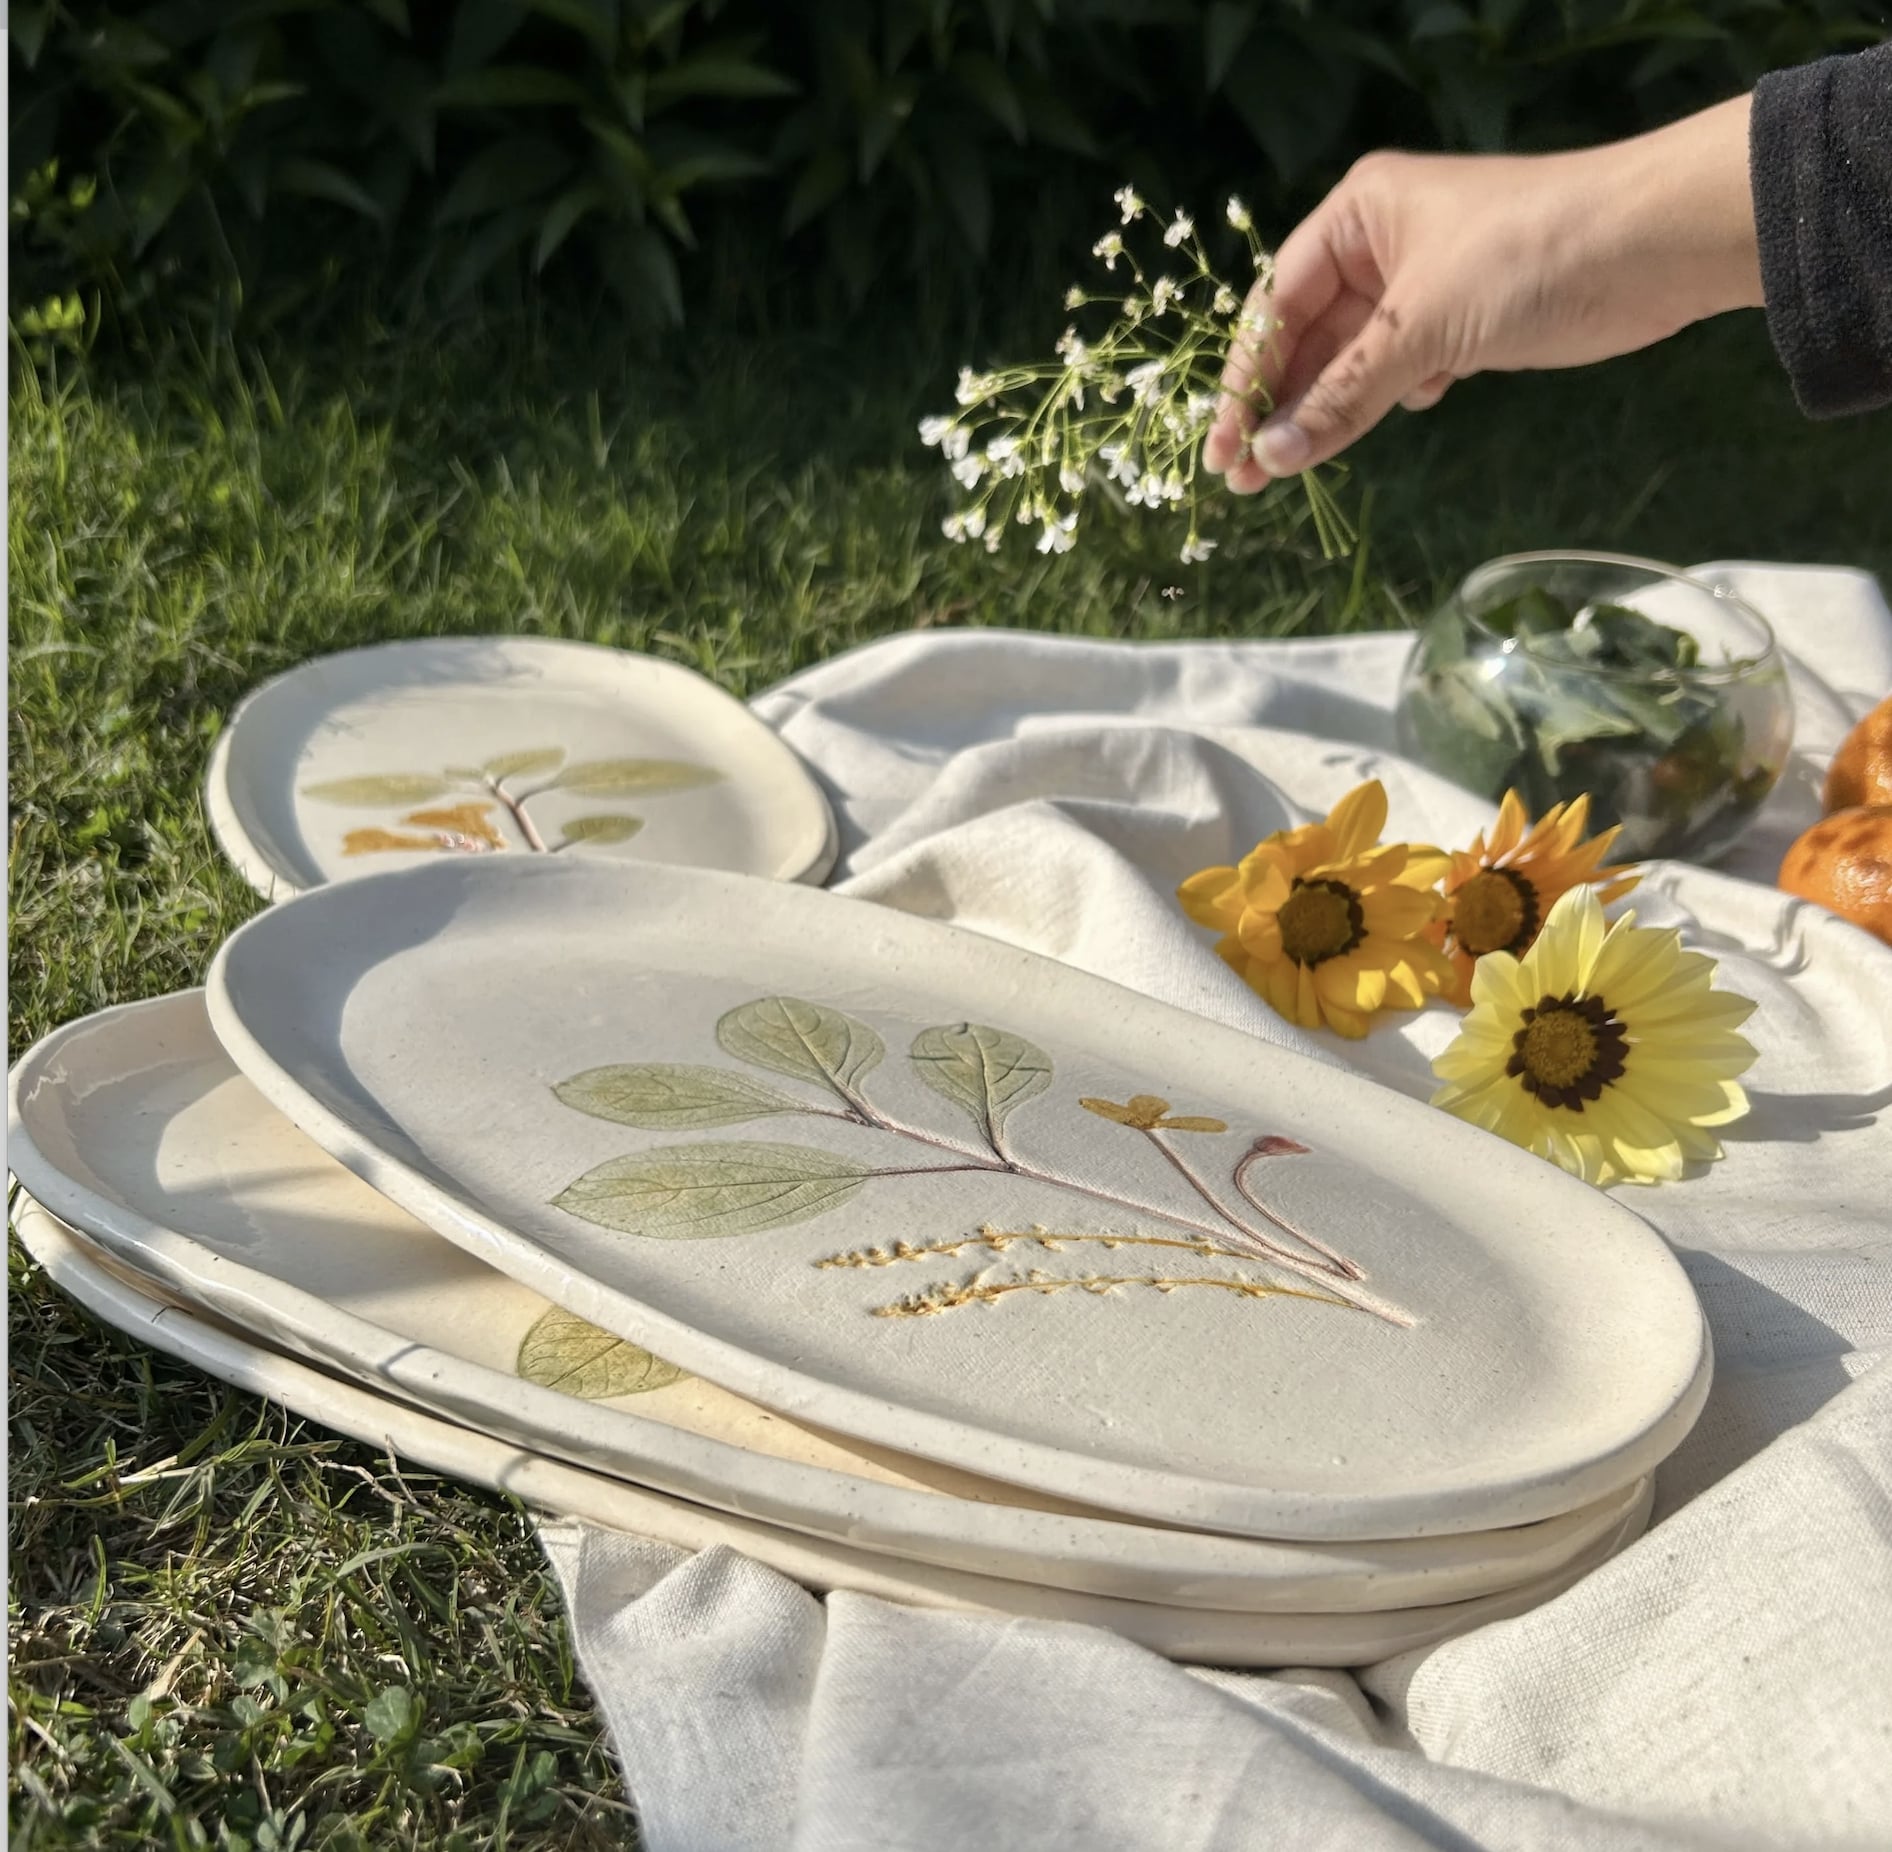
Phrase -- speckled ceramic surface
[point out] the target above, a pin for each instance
(134, 1127)
(960, 1200)
(401, 753)
(1182, 1633)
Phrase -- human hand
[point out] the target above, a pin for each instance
(1418, 270)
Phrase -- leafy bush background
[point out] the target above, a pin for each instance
(227, 155)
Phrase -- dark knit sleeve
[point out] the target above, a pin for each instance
(1820, 162)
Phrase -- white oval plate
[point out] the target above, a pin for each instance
(1193, 1634)
(798, 1144)
(134, 1127)
(390, 756)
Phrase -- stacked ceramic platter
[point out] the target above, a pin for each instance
(722, 1209)
(387, 757)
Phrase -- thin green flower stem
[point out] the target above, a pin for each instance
(1157, 438)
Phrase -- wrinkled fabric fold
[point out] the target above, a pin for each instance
(1725, 1682)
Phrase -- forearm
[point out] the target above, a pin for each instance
(1687, 212)
(1420, 269)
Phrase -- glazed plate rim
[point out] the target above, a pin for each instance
(374, 906)
(1189, 1634)
(809, 860)
(702, 1468)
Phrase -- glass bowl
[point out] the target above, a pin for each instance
(1661, 695)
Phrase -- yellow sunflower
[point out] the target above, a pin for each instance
(1325, 924)
(1501, 891)
(1604, 1050)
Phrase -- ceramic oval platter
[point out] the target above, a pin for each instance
(393, 755)
(1180, 1633)
(959, 1200)
(134, 1127)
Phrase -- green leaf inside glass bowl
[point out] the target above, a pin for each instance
(1561, 674)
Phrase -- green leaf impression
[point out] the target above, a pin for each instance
(634, 777)
(806, 1041)
(985, 1071)
(693, 1192)
(604, 827)
(670, 1097)
(375, 792)
(524, 764)
(565, 1352)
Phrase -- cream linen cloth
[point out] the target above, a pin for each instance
(1727, 1681)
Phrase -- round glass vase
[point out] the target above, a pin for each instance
(1662, 696)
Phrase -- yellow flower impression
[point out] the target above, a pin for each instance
(1500, 892)
(1603, 1050)
(1326, 924)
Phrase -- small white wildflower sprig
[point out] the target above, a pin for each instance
(1130, 405)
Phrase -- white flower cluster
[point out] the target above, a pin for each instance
(951, 437)
(976, 388)
(1126, 405)
(1154, 491)
(965, 524)
(1060, 532)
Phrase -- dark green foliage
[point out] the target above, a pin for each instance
(273, 140)
(264, 144)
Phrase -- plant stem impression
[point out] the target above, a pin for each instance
(743, 1187)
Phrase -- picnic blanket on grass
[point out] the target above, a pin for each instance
(1725, 1682)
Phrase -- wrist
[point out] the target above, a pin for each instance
(1690, 211)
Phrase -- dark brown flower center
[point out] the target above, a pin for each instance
(1568, 1050)
(1320, 920)
(1495, 911)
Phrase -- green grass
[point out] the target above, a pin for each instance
(229, 1627)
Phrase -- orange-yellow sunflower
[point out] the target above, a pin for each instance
(1327, 924)
(1500, 892)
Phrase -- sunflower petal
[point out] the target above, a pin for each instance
(1207, 897)
(1280, 982)
(1641, 1143)
(1508, 831)
(1231, 954)
(1352, 1024)
(1266, 885)
(1370, 987)
(1643, 1123)
(1457, 1063)
(1499, 982)
(1425, 867)
(1399, 912)
(1260, 934)
(1358, 819)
